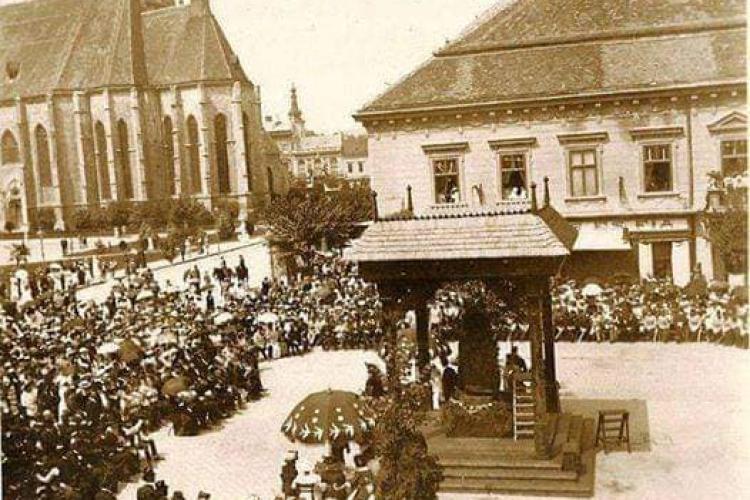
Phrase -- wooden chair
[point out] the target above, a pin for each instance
(613, 428)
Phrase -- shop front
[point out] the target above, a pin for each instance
(643, 247)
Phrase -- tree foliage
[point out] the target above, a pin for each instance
(19, 252)
(330, 209)
(407, 470)
(727, 229)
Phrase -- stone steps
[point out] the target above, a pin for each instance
(503, 466)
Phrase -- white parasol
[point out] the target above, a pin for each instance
(223, 318)
(592, 290)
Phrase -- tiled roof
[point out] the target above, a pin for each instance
(354, 146)
(82, 44)
(184, 44)
(511, 55)
(311, 143)
(467, 237)
(526, 22)
(67, 44)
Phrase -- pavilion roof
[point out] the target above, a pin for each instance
(487, 235)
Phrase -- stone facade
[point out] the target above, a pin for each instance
(195, 132)
(628, 167)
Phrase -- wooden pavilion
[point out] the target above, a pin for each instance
(410, 258)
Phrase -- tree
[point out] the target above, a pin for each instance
(330, 209)
(225, 225)
(727, 228)
(407, 470)
(19, 253)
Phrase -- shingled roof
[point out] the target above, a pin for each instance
(535, 49)
(84, 44)
(484, 236)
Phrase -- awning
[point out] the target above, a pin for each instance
(605, 239)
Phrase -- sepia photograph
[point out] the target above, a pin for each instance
(374, 250)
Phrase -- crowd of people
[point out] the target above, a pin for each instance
(84, 383)
(652, 311)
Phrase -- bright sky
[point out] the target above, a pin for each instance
(339, 53)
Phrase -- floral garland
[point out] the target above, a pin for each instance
(499, 305)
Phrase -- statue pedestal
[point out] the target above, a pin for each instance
(477, 359)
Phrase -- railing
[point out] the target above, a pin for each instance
(504, 207)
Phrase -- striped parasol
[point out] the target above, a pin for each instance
(329, 416)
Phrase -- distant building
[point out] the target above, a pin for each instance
(308, 155)
(625, 105)
(101, 101)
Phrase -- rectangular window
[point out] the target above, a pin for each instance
(662, 259)
(361, 167)
(350, 167)
(733, 157)
(657, 168)
(513, 176)
(447, 184)
(584, 173)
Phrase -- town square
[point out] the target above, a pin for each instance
(345, 250)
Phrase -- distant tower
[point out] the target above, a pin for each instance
(296, 121)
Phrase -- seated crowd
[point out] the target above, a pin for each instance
(84, 383)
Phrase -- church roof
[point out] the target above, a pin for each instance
(67, 44)
(185, 44)
(533, 49)
(83, 44)
(477, 236)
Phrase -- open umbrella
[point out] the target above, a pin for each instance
(223, 318)
(268, 317)
(174, 386)
(718, 286)
(144, 295)
(592, 290)
(329, 416)
(108, 348)
(130, 351)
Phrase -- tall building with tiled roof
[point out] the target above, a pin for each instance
(310, 155)
(103, 101)
(625, 105)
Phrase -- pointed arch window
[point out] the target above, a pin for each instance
(168, 147)
(9, 149)
(222, 154)
(102, 160)
(123, 161)
(43, 163)
(193, 155)
(246, 139)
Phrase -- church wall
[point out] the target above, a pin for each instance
(67, 155)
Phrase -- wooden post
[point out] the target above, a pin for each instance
(536, 329)
(409, 202)
(553, 396)
(423, 338)
(546, 191)
(534, 205)
(374, 197)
